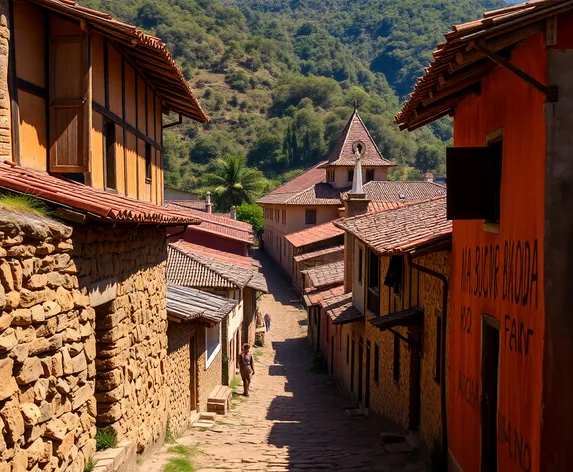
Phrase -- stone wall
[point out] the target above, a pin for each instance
(207, 378)
(181, 398)
(249, 319)
(124, 271)
(5, 108)
(47, 350)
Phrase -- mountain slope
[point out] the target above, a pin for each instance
(280, 77)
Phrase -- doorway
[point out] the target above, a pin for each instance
(360, 367)
(415, 373)
(489, 379)
(367, 385)
(193, 374)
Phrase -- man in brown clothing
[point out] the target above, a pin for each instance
(247, 368)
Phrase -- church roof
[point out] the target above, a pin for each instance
(355, 133)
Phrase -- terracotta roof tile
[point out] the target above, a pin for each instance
(343, 153)
(341, 310)
(401, 191)
(185, 271)
(149, 53)
(325, 275)
(192, 204)
(239, 271)
(401, 229)
(97, 204)
(458, 65)
(314, 234)
(316, 297)
(328, 251)
(187, 304)
(218, 224)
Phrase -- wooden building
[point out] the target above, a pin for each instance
(506, 79)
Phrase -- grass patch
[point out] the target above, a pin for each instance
(169, 438)
(182, 460)
(90, 466)
(105, 439)
(235, 382)
(23, 204)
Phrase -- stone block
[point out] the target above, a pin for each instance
(5, 321)
(46, 411)
(55, 279)
(30, 298)
(8, 340)
(41, 388)
(38, 314)
(31, 413)
(19, 352)
(22, 317)
(109, 380)
(37, 281)
(64, 298)
(79, 363)
(20, 461)
(25, 334)
(12, 300)
(6, 276)
(111, 395)
(90, 348)
(112, 335)
(71, 420)
(51, 309)
(13, 421)
(81, 300)
(63, 448)
(56, 429)
(109, 412)
(8, 385)
(82, 395)
(30, 371)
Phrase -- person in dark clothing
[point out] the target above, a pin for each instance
(247, 367)
(268, 322)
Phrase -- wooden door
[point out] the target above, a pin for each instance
(489, 378)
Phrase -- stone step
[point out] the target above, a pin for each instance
(207, 416)
(203, 424)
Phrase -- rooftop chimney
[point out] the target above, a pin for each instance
(428, 177)
(356, 202)
(233, 212)
(208, 204)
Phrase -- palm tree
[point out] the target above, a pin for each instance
(233, 183)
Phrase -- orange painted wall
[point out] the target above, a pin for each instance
(510, 262)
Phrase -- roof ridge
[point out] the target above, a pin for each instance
(308, 170)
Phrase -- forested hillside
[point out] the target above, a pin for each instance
(279, 77)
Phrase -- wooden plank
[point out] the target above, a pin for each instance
(130, 96)
(30, 28)
(33, 131)
(131, 156)
(120, 159)
(97, 164)
(98, 68)
(114, 80)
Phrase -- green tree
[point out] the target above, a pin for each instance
(252, 214)
(233, 183)
(428, 157)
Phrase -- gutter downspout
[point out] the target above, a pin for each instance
(179, 233)
(445, 290)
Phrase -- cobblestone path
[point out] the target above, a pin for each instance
(294, 419)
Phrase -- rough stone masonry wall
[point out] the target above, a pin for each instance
(179, 376)
(5, 119)
(131, 329)
(47, 350)
(211, 377)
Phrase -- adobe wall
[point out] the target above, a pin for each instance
(207, 377)
(47, 350)
(179, 376)
(124, 269)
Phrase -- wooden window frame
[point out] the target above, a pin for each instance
(110, 157)
(360, 265)
(370, 173)
(350, 175)
(148, 164)
(373, 289)
(310, 220)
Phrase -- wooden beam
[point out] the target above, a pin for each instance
(549, 92)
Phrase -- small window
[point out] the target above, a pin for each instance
(360, 264)
(109, 155)
(376, 363)
(350, 175)
(284, 217)
(148, 167)
(347, 348)
(310, 217)
(395, 274)
(369, 175)
(373, 294)
(330, 175)
(396, 359)
(438, 367)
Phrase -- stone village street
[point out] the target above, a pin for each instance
(294, 419)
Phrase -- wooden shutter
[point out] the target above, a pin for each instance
(70, 104)
(473, 174)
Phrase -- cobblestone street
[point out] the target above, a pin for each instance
(294, 419)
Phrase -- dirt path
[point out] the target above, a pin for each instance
(294, 419)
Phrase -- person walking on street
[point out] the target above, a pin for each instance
(268, 322)
(246, 367)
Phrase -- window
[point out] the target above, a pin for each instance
(310, 217)
(212, 343)
(284, 217)
(360, 257)
(347, 348)
(148, 167)
(109, 155)
(396, 359)
(438, 367)
(376, 363)
(395, 274)
(373, 302)
(350, 175)
(330, 175)
(369, 175)
(474, 182)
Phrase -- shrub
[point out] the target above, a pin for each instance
(90, 466)
(105, 439)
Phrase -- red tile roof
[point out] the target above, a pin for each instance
(401, 191)
(459, 65)
(296, 186)
(186, 271)
(320, 253)
(98, 205)
(355, 132)
(383, 206)
(217, 224)
(192, 204)
(401, 229)
(314, 234)
(149, 54)
(341, 309)
(325, 275)
(241, 271)
(315, 297)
